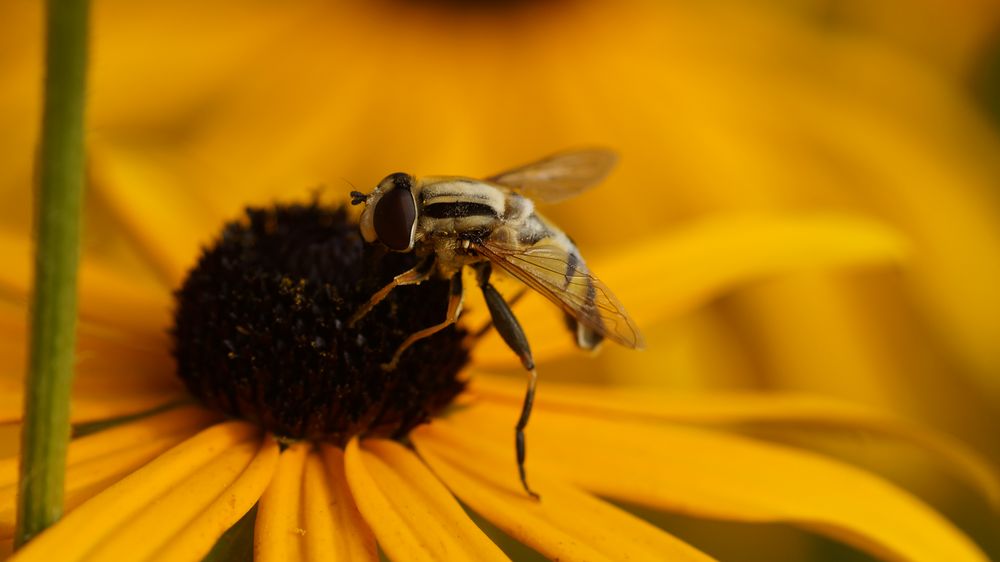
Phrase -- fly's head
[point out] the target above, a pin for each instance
(390, 214)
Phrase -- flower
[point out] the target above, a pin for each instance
(166, 482)
(819, 122)
(741, 110)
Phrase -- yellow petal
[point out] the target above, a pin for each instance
(116, 374)
(411, 513)
(278, 533)
(163, 517)
(800, 410)
(96, 461)
(93, 338)
(201, 533)
(177, 421)
(221, 42)
(669, 274)
(334, 527)
(684, 268)
(710, 474)
(106, 298)
(308, 513)
(92, 406)
(86, 479)
(928, 170)
(166, 217)
(566, 524)
(84, 528)
(99, 347)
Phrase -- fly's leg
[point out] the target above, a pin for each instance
(454, 309)
(511, 302)
(420, 273)
(510, 330)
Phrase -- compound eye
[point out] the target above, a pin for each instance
(394, 217)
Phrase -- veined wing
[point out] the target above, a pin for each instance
(556, 271)
(559, 176)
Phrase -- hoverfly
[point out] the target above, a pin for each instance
(452, 222)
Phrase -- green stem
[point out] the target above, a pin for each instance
(53, 313)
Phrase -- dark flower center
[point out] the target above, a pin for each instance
(261, 330)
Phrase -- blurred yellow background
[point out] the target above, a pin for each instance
(888, 110)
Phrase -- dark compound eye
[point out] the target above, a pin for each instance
(394, 217)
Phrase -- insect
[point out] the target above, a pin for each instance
(453, 222)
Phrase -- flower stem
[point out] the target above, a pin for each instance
(60, 176)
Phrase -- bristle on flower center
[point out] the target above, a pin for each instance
(261, 330)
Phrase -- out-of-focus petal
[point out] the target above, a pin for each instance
(198, 536)
(801, 410)
(412, 514)
(101, 389)
(335, 528)
(164, 214)
(953, 35)
(100, 518)
(278, 532)
(121, 369)
(669, 274)
(709, 474)
(107, 298)
(90, 408)
(942, 197)
(87, 406)
(566, 524)
(129, 93)
(115, 375)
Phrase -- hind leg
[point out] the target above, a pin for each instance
(510, 330)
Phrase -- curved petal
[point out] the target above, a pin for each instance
(198, 536)
(87, 479)
(566, 524)
(411, 513)
(710, 474)
(183, 420)
(166, 215)
(86, 407)
(672, 273)
(99, 346)
(308, 513)
(99, 519)
(943, 197)
(89, 405)
(107, 298)
(159, 520)
(278, 533)
(96, 461)
(116, 374)
(616, 402)
(336, 529)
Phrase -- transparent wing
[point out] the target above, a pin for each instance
(560, 176)
(560, 275)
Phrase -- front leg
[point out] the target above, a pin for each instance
(454, 309)
(510, 330)
(420, 273)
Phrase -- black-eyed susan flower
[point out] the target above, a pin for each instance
(339, 457)
(256, 98)
(841, 106)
